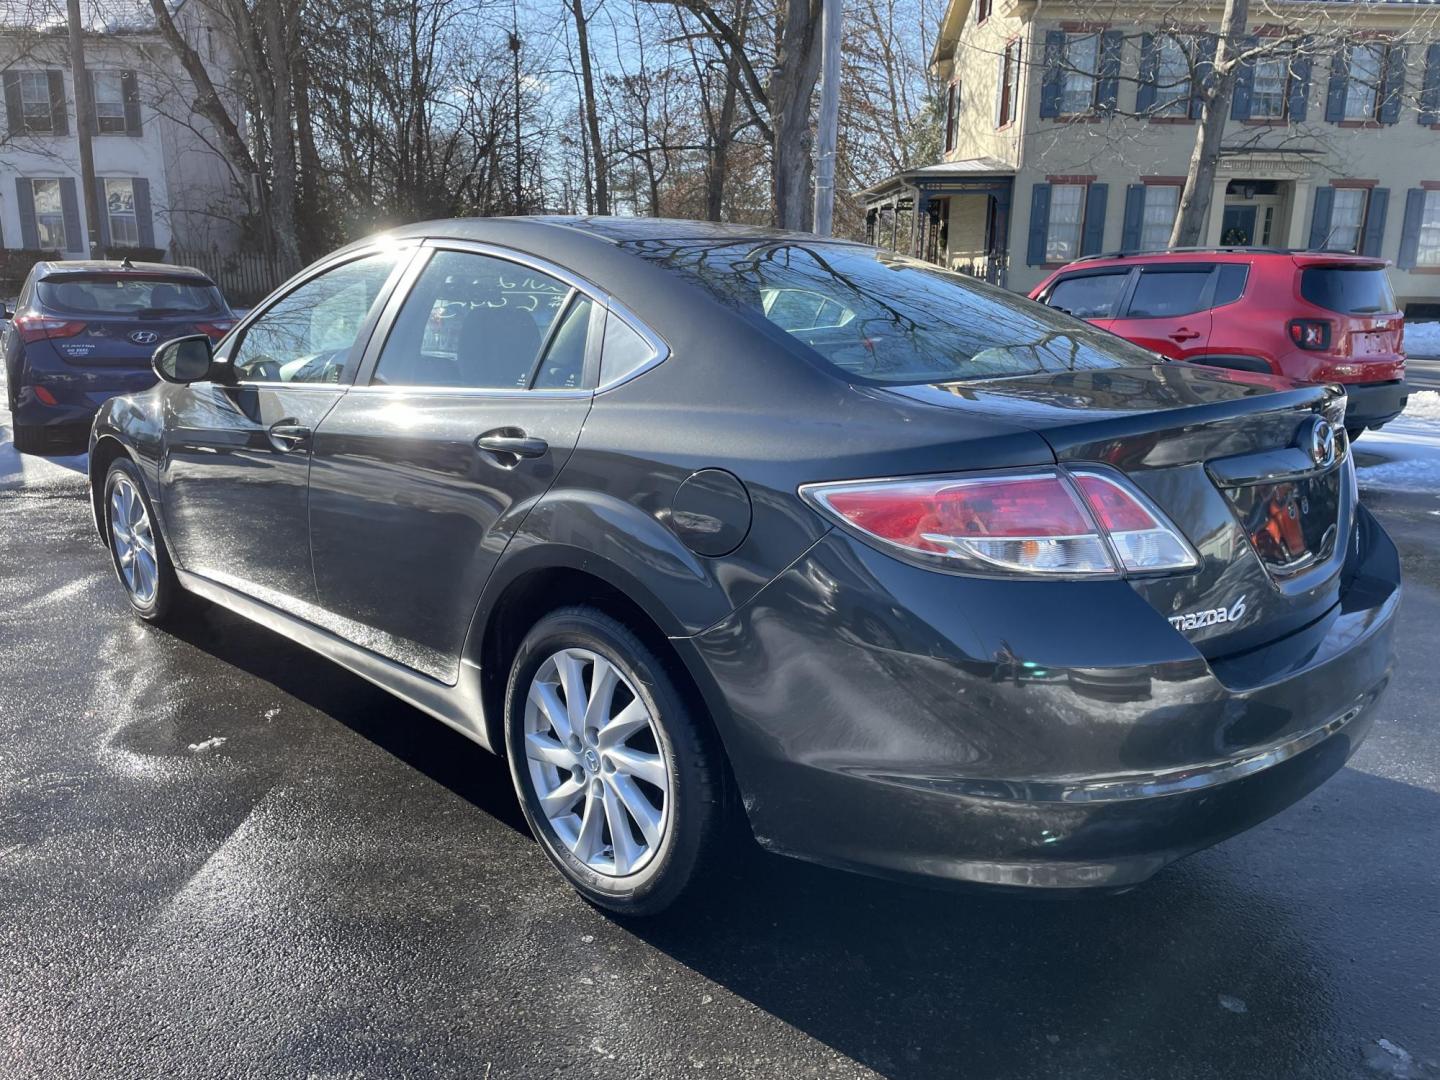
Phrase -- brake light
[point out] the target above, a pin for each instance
(35, 327)
(1045, 522)
(215, 330)
(1311, 334)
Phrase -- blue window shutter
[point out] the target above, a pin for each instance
(1430, 88)
(1050, 81)
(130, 90)
(1203, 69)
(14, 116)
(1335, 92)
(25, 203)
(102, 206)
(1244, 85)
(1134, 221)
(1039, 224)
(1111, 44)
(1092, 235)
(1410, 229)
(1299, 86)
(59, 124)
(144, 222)
(1320, 222)
(1149, 59)
(70, 206)
(1374, 238)
(1392, 84)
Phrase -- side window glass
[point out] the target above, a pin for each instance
(1089, 296)
(471, 321)
(309, 335)
(563, 367)
(1230, 285)
(623, 350)
(1159, 293)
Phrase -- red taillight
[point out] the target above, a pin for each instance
(1311, 334)
(215, 330)
(1045, 522)
(34, 327)
(45, 396)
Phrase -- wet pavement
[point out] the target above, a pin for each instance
(221, 856)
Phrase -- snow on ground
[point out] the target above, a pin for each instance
(1405, 454)
(1422, 339)
(30, 470)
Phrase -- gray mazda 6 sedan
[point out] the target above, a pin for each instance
(704, 525)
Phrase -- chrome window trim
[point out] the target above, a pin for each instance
(659, 350)
(466, 391)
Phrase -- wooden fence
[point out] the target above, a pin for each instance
(243, 278)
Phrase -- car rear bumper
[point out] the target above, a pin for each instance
(859, 742)
(1373, 404)
(77, 395)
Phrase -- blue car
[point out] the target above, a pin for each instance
(83, 332)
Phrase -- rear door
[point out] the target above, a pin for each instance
(237, 454)
(1092, 295)
(1167, 309)
(468, 409)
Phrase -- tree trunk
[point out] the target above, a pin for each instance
(1195, 196)
(601, 190)
(792, 85)
(724, 133)
(284, 189)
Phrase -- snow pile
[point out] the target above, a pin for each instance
(1422, 339)
(1405, 455)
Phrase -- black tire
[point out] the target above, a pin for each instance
(693, 840)
(159, 606)
(29, 438)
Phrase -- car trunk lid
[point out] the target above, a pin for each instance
(1229, 457)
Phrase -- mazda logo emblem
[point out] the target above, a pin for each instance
(144, 337)
(1322, 442)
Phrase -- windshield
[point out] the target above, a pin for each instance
(110, 294)
(1358, 291)
(879, 317)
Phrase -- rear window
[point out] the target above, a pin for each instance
(1168, 292)
(111, 294)
(878, 317)
(1350, 291)
(1089, 296)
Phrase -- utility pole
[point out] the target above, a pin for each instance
(829, 119)
(84, 110)
(515, 54)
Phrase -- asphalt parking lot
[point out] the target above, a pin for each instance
(221, 857)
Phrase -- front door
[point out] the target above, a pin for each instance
(423, 474)
(237, 457)
(1237, 226)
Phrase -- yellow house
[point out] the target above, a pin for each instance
(1070, 125)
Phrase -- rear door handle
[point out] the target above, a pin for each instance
(511, 443)
(288, 435)
(1184, 334)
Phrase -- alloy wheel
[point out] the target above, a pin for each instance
(594, 758)
(133, 540)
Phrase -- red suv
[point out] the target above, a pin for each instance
(1309, 315)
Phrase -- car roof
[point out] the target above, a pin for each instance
(614, 229)
(54, 270)
(1298, 256)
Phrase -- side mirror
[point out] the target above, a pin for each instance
(5, 313)
(184, 360)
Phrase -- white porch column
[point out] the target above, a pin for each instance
(1217, 211)
(1298, 233)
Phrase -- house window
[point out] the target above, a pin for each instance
(120, 210)
(35, 101)
(1362, 91)
(1009, 83)
(1272, 76)
(1067, 215)
(109, 102)
(1172, 78)
(1428, 253)
(982, 11)
(1077, 85)
(1347, 219)
(1161, 203)
(49, 214)
(952, 115)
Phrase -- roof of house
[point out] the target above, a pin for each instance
(970, 167)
